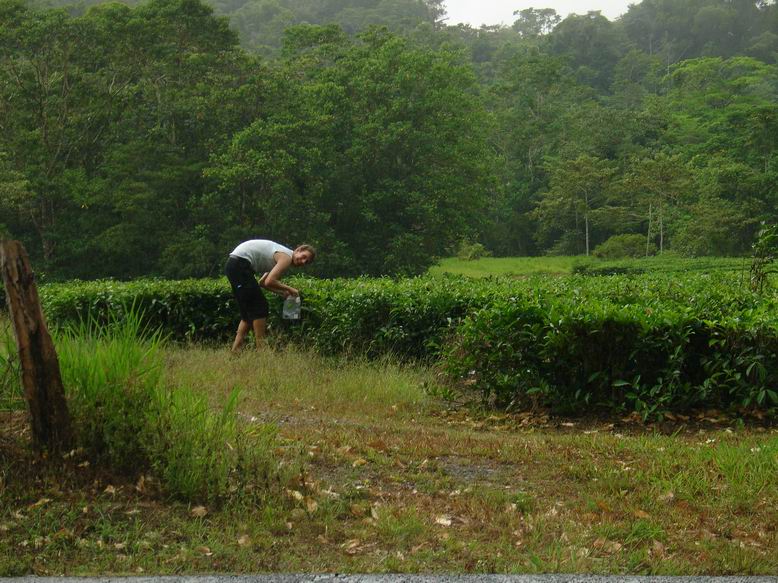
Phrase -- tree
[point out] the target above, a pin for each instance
(657, 184)
(593, 46)
(378, 152)
(533, 23)
(577, 190)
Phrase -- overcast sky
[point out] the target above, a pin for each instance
(478, 12)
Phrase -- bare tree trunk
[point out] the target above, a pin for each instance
(41, 377)
(648, 234)
(661, 231)
(586, 222)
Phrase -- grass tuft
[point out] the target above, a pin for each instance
(128, 418)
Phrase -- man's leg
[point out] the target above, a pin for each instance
(259, 332)
(240, 336)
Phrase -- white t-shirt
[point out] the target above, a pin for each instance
(260, 253)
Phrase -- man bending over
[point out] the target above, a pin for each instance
(254, 257)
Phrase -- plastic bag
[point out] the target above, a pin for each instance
(291, 310)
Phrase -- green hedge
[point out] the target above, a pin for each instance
(609, 342)
(632, 342)
(194, 309)
(410, 317)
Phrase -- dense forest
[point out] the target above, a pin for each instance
(150, 138)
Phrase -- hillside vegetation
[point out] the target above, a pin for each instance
(150, 139)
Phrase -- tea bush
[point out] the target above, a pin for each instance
(626, 245)
(631, 342)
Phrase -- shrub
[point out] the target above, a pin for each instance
(472, 250)
(765, 249)
(110, 373)
(632, 342)
(623, 246)
(625, 343)
(184, 310)
(126, 417)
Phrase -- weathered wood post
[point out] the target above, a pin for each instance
(43, 390)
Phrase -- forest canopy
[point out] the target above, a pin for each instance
(150, 138)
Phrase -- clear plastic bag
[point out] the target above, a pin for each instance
(291, 310)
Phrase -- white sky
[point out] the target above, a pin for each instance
(478, 12)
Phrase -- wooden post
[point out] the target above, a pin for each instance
(41, 377)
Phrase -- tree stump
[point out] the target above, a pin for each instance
(41, 378)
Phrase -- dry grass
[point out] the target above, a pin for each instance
(397, 481)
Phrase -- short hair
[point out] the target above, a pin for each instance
(309, 248)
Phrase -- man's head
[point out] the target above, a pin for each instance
(303, 255)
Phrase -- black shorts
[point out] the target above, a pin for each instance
(251, 301)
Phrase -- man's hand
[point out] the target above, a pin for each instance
(292, 292)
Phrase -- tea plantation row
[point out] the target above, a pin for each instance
(642, 343)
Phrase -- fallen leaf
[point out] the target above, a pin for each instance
(657, 549)
(666, 497)
(358, 462)
(607, 545)
(311, 505)
(39, 503)
(110, 490)
(204, 550)
(642, 514)
(244, 541)
(443, 520)
(294, 494)
(199, 511)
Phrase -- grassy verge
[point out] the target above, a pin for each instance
(396, 480)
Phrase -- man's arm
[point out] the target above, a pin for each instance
(272, 279)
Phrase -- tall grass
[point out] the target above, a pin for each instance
(10, 385)
(111, 373)
(200, 455)
(124, 415)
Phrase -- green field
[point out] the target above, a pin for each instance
(565, 265)
(509, 266)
